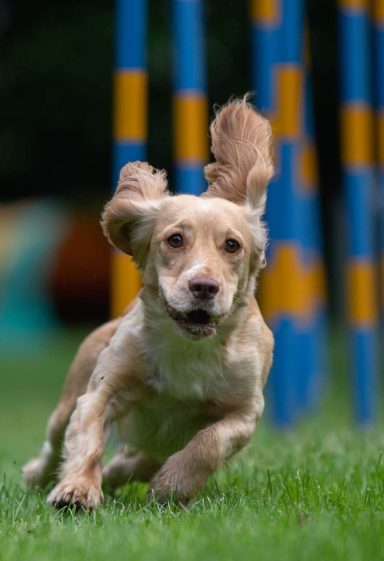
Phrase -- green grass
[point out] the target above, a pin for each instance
(314, 493)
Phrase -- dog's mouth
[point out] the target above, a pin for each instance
(197, 322)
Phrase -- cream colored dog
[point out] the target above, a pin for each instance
(182, 371)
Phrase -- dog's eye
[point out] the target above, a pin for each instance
(176, 240)
(231, 246)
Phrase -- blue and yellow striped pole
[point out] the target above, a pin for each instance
(129, 124)
(265, 26)
(313, 330)
(378, 23)
(357, 162)
(277, 80)
(190, 114)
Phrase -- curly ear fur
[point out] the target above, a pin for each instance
(142, 180)
(128, 218)
(241, 144)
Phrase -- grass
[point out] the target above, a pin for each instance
(314, 493)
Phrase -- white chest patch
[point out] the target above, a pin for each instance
(186, 369)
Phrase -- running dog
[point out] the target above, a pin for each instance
(182, 372)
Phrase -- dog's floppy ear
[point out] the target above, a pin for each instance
(128, 218)
(241, 144)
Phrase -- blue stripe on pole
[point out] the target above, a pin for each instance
(355, 86)
(283, 213)
(354, 28)
(264, 56)
(359, 209)
(363, 371)
(379, 43)
(188, 54)
(292, 32)
(131, 34)
(285, 371)
(125, 152)
(190, 179)
(308, 368)
(308, 235)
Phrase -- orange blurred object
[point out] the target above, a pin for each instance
(80, 280)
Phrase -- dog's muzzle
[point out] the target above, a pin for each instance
(197, 322)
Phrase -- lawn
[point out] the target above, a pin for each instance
(316, 492)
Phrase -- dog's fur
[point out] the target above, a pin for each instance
(182, 371)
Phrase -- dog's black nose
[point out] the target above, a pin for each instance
(203, 288)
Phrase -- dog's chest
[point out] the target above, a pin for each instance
(193, 372)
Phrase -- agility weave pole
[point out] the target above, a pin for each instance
(378, 26)
(313, 330)
(129, 125)
(190, 109)
(358, 186)
(190, 113)
(278, 305)
(292, 294)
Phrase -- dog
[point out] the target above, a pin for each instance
(182, 372)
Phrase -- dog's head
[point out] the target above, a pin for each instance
(199, 256)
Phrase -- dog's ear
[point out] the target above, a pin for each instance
(241, 144)
(129, 217)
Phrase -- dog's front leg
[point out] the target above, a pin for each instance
(185, 472)
(85, 438)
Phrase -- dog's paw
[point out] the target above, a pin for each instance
(176, 481)
(77, 493)
(36, 473)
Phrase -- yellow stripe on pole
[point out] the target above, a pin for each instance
(380, 136)
(289, 83)
(285, 285)
(355, 4)
(190, 127)
(378, 11)
(308, 167)
(356, 128)
(267, 12)
(130, 105)
(126, 282)
(361, 294)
